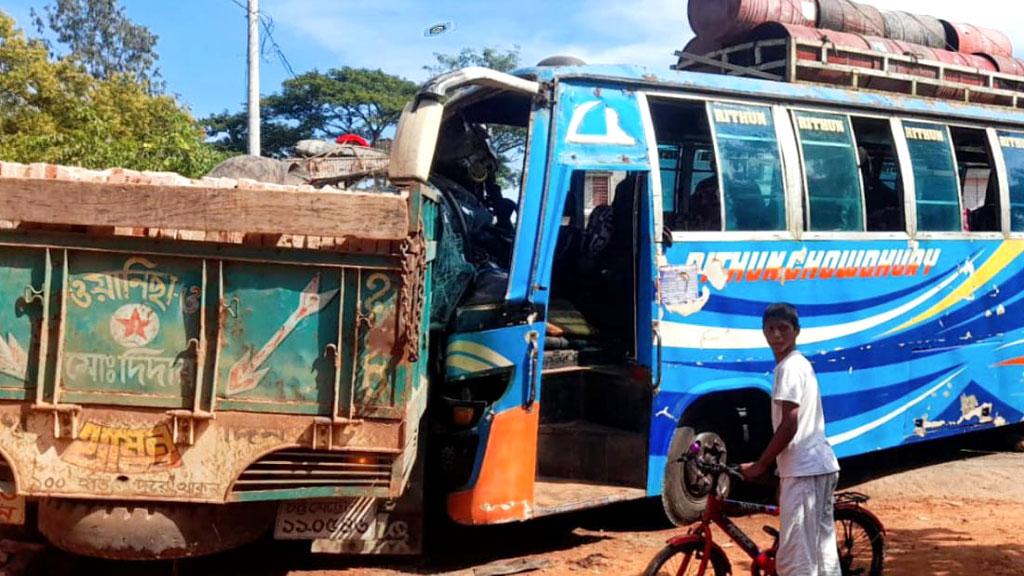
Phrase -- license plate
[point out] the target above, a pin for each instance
(12, 506)
(345, 519)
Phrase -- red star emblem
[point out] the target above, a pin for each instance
(134, 325)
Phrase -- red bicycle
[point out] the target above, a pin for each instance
(696, 553)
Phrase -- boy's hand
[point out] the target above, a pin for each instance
(752, 470)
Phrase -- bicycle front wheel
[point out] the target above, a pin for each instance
(861, 543)
(685, 559)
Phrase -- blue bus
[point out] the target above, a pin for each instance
(587, 331)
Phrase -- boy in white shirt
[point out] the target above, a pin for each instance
(807, 467)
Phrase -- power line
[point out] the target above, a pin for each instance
(268, 24)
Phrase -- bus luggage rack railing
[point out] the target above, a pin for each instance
(823, 62)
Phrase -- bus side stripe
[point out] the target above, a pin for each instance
(1006, 253)
(861, 430)
(683, 335)
(480, 351)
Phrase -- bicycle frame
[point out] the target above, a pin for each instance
(762, 561)
(715, 513)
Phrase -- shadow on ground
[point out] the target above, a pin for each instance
(452, 548)
(949, 552)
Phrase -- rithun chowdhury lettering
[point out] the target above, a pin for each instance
(804, 264)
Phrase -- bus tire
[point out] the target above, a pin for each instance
(685, 489)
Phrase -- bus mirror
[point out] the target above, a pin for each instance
(412, 151)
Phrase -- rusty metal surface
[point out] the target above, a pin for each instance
(850, 17)
(803, 54)
(129, 454)
(729, 18)
(971, 39)
(356, 163)
(915, 28)
(411, 300)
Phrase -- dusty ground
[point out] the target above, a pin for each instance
(950, 508)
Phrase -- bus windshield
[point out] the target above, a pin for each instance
(477, 169)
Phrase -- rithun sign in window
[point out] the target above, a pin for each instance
(835, 201)
(748, 154)
(936, 185)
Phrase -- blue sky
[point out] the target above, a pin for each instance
(202, 43)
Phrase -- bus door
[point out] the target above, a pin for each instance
(593, 277)
(562, 365)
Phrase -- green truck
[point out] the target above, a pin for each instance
(185, 365)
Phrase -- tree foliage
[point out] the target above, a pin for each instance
(54, 111)
(508, 142)
(99, 35)
(319, 105)
(494, 58)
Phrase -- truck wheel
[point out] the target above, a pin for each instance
(686, 488)
(128, 531)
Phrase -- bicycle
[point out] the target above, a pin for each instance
(694, 553)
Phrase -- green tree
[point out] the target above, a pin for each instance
(230, 134)
(99, 35)
(319, 105)
(508, 142)
(494, 58)
(54, 111)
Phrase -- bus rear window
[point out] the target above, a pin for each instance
(834, 195)
(935, 179)
(751, 169)
(1012, 144)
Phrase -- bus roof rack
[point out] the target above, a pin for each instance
(819, 60)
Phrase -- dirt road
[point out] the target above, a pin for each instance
(953, 508)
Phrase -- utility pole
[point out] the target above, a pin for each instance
(254, 78)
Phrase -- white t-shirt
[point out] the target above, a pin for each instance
(809, 453)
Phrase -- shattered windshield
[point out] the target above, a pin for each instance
(478, 170)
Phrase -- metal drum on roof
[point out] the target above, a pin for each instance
(971, 39)
(1004, 64)
(729, 18)
(852, 17)
(772, 31)
(916, 28)
(701, 45)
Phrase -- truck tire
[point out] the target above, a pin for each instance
(143, 531)
(685, 490)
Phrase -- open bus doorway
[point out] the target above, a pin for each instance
(592, 442)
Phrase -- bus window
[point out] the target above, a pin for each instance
(834, 198)
(689, 183)
(935, 178)
(879, 170)
(979, 189)
(751, 168)
(1012, 144)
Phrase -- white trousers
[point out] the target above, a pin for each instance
(807, 536)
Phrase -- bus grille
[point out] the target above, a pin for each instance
(297, 469)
